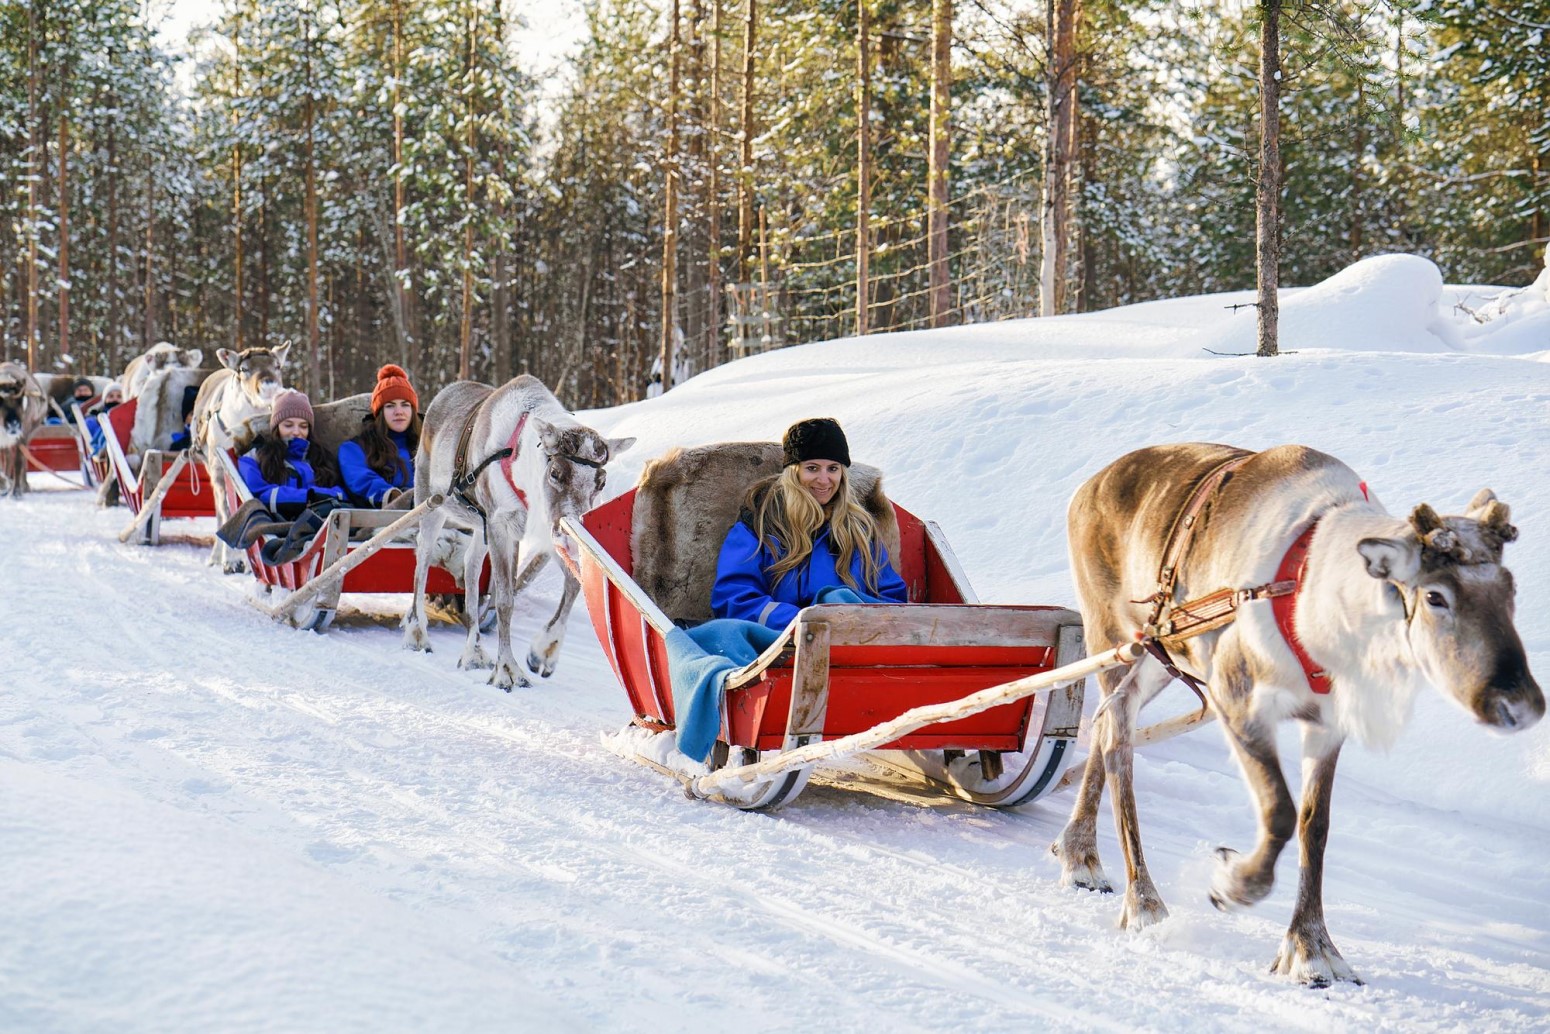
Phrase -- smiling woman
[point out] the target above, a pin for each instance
(802, 538)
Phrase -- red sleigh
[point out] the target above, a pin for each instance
(840, 672)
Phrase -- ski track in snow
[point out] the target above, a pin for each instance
(211, 822)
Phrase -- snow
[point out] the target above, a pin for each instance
(211, 822)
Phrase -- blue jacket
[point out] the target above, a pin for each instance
(296, 487)
(743, 588)
(366, 484)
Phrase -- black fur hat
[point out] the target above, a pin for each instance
(817, 439)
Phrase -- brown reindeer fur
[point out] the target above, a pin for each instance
(687, 500)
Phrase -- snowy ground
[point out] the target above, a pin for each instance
(210, 822)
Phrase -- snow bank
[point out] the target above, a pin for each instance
(1388, 303)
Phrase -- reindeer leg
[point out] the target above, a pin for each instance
(415, 637)
(1077, 845)
(503, 561)
(545, 652)
(1143, 906)
(1241, 881)
(473, 655)
(1307, 954)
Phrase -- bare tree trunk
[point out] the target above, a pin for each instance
(1055, 225)
(236, 187)
(466, 325)
(115, 304)
(64, 223)
(149, 337)
(1268, 190)
(670, 209)
(399, 296)
(745, 155)
(941, 113)
(34, 171)
(314, 368)
(863, 168)
(713, 194)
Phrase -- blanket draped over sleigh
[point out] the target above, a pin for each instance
(699, 658)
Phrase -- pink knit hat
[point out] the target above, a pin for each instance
(288, 404)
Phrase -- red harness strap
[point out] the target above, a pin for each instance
(1285, 607)
(512, 448)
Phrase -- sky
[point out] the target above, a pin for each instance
(552, 26)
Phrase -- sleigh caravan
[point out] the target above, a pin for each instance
(355, 550)
(165, 485)
(888, 679)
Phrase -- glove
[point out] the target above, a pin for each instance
(391, 497)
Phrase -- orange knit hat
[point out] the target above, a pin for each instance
(393, 385)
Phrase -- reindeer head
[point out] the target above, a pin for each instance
(1458, 602)
(257, 370)
(21, 404)
(574, 458)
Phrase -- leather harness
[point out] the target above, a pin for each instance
(1172, 623)
(463, 478)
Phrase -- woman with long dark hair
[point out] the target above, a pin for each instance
(802, 538)
(378, 464)
(284, 469)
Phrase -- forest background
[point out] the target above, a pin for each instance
(383, 180)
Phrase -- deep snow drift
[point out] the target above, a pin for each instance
(210, 822)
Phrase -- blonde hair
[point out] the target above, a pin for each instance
(786, 516)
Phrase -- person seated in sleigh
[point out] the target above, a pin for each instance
(802, 538)
(377, 465)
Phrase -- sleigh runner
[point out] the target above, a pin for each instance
(841, 678)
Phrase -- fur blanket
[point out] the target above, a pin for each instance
(688, 498)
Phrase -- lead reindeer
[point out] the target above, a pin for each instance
(229, 400)
(512, 462)
(1379, 605)
(23, 407)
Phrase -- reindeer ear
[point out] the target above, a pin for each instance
(1395, 560)
(1424, 520)
(192, 357)
(1494, 517)
(547, 435)
(280, 353)
(618, 445)
(227, 357)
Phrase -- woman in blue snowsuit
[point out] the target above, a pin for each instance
(834, 556)
(378, 464)
(286, 471)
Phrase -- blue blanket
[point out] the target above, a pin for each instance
(698, 660)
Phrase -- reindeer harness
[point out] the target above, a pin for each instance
(463, 479)
(1172, 623)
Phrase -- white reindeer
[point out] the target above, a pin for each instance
(512, 502)
(1383, 605)
(162, 356)
(229, 400)
(23, 408)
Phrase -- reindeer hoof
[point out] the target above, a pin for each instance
(538, 665)
(506, 676)
(1080, 869)
(1141, 910)
(1235, 886)
(234, 567)
(1312, 962)
(415, 639)
(473, 660)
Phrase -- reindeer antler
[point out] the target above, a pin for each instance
(1494, 520)
(1436, 537)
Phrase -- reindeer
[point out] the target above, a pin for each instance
(160, 357)
(228, 400)
(1379, 604)
(22, 409)
(513, 462)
